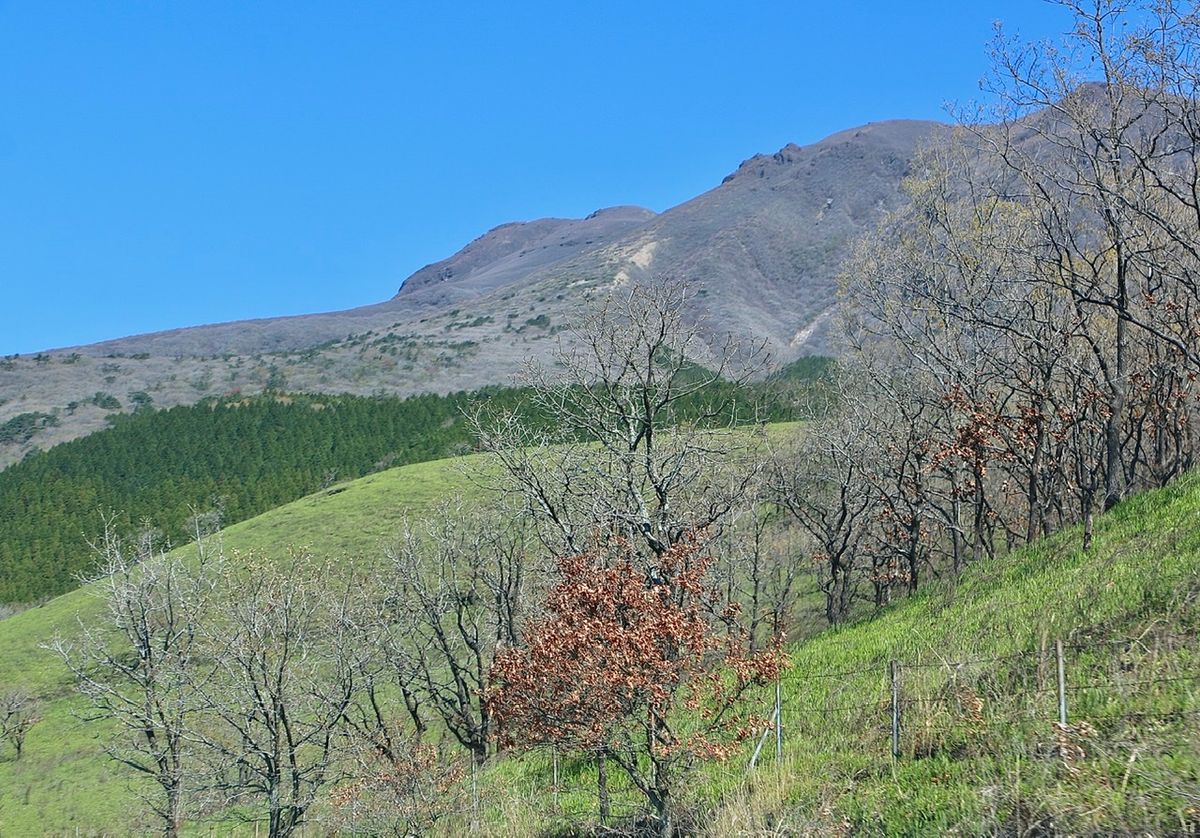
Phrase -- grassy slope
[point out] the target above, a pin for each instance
(997, 769)
(63, 782)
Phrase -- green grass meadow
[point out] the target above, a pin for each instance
(977, 676)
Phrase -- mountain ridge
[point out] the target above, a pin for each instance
(534, 233)
(762, 250)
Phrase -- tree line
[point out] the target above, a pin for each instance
(1025, 334)
(247, 455)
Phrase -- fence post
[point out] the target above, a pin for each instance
(778, 721)
(894, 670)
(1062, 684)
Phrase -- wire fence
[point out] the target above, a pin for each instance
(1119, 700)
(1060, 702)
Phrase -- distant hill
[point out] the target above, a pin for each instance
(762, 249)
(250, 454)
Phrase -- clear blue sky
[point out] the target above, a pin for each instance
(166, 164)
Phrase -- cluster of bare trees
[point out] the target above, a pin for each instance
(1025, 332)
(223, 684)
(253, 689)
(293, 691)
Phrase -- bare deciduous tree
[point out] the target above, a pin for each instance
(460, 584)
(140, 666)
(820, 480)
(615, 386)
(287, 660)
(402, 793)
(762, 564)
(18, 714)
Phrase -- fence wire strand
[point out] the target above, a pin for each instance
(1016, 709)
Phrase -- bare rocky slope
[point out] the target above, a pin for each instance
(762, 249)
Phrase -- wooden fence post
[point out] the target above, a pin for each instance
(1062, 684)
(894, 669)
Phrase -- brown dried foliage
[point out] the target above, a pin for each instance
(644, 668)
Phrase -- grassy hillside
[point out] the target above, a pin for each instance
(63, 781)
(979, 752)
(978, 695)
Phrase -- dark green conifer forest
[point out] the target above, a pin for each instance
(244, 456)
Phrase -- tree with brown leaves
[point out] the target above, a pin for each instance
(645, 671)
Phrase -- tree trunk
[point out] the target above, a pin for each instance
(1114, 466)
(912, 556)
(1034, 522)
(977, 523)
(413, 705)
(602, 788)
(175, 807)
(832, 593)
(660, 799)
(1114, 469)
(956, 545)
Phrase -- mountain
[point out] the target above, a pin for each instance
(500, 257)
(762, 250)
(764, 247)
